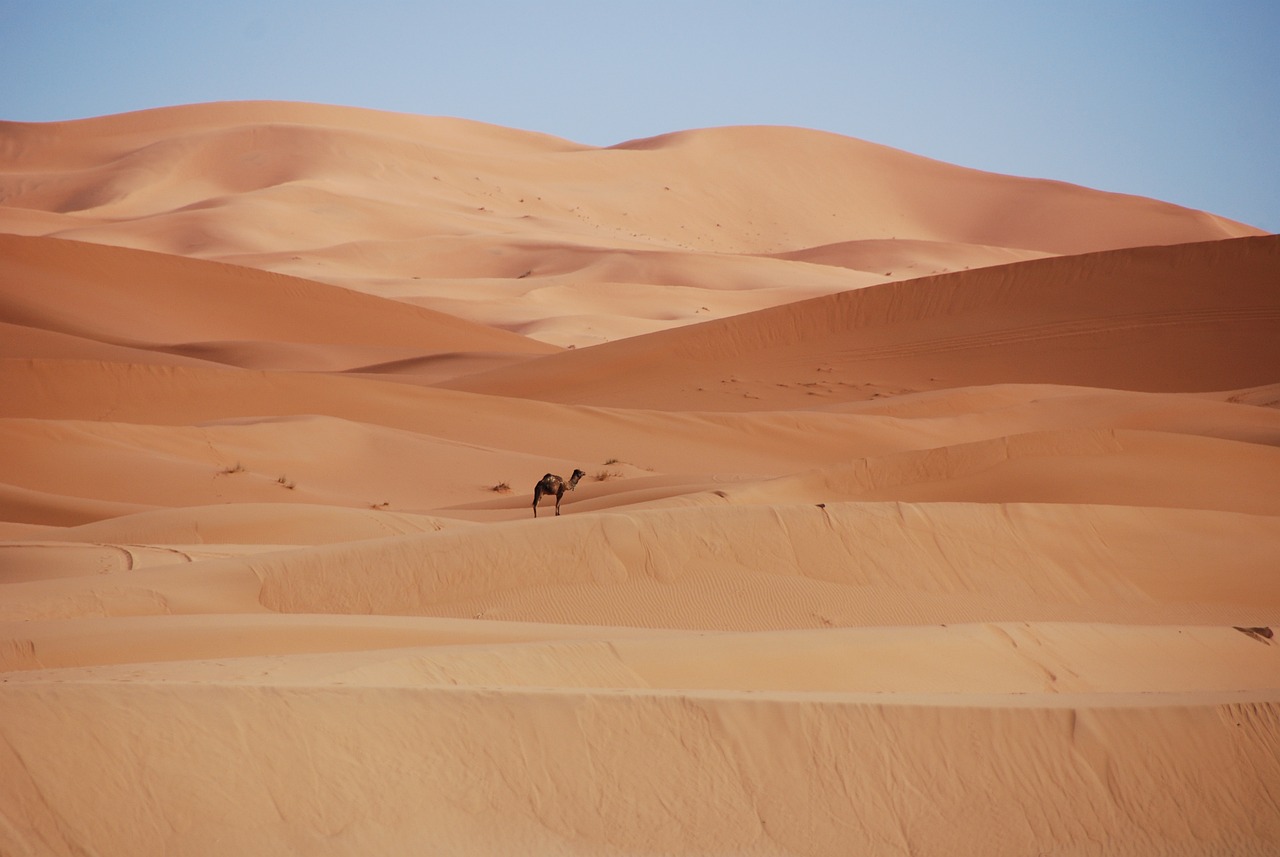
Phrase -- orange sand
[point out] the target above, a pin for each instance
(927, 511)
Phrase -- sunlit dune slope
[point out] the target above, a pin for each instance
(121, 298)
(1193, 317)
(774, 567)
(191, 436)
(286, 769)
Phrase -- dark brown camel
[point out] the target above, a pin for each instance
(552, 484)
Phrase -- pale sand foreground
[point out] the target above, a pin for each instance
(931, 512)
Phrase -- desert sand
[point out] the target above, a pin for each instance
(927, 510)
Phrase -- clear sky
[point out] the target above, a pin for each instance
(1177, 100)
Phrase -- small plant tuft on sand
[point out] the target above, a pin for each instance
(230, 469)
(287, 482)
(501, 488)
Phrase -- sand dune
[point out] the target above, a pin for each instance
(220, 313)
(406, 206)
(926, 511)
(1191, 317)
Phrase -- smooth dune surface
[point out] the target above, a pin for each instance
(925, 510)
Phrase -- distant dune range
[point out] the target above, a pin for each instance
(927, 510)
(558, 241)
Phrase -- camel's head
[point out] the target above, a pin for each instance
(573, 480)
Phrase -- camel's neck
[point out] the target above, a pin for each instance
(573, 480)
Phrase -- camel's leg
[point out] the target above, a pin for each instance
(537, 495)
(559, 495)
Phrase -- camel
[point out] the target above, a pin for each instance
(553, 484)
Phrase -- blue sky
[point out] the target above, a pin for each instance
(1176, 100)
